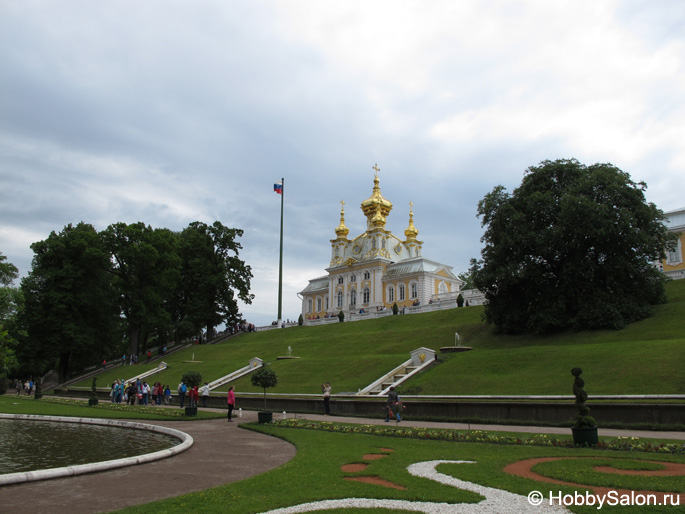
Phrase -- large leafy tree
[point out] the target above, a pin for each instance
(147, 268)
(572, 247)
(69, 312)
(10, 302)
(214, 277)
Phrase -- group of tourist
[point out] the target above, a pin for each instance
(141, 391)
(28, 385)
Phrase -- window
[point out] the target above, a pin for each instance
(318, 305)
(325, 301)
(442, 288)
(414, 290)
(340, 299)
(367, 275)
(353, 297)
(674, 256)
(366, 295)
(391, 294)
(341, 280)
(309, 305)
(353, 278)
(383, 244)
(401, 292)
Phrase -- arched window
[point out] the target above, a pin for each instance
(391, 294)
(309, 305)
(353, 278)
(325, 301)
(318, 305)
(341, 280)
(366, 295)
(414, 290)
(442, 288)
(353, 297)
(401, 292)
(340, 299)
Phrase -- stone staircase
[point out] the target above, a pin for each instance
(420, 359)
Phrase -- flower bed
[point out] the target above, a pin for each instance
(476, 436)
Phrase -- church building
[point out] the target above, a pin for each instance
(371, 272)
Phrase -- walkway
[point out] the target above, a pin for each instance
(222, 453)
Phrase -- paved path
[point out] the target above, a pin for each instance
(222, 453)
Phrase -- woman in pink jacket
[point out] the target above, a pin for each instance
(231, 403)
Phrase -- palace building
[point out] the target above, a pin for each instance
(674, 264)
(368, 274)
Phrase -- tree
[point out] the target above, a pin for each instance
(70, 312)
(572, 247)
(213, 277)
(147, 271)
(264, 377)
(11, 301)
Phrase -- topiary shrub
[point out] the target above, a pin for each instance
(300, 320)
(264, 377)
(583, 419)
(93, 398)
(192, 378)
(395, 309)
(460, 300)
(341, 316)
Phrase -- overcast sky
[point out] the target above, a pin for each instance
(176, 111)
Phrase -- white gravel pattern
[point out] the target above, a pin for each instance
(496, 501)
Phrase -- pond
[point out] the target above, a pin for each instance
(30, 445)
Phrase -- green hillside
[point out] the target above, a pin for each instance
(645, 358)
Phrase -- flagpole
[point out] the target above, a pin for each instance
(280, 261)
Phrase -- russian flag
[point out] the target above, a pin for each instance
(278, 188)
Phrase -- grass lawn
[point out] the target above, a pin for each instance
(644, 358)
(316, 473)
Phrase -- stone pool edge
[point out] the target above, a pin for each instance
(80, 469)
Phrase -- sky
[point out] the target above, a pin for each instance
(178, 111)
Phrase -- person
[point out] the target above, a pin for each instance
(149, 355)
(132, 393)
(393, 401)
(167, 394)
(230, 400)
(205, 394)
(17, 386)
(326, 389)
(145, 392)
(182, 390)
(123, 359)
(194, 396)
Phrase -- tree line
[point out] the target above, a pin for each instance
(91, 295)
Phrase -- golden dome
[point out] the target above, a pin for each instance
(411, 231)
(376, 208)
(341, 231)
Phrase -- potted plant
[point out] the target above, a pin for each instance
(585, 428)
(191, 379)
(264, 377)
(93, 398)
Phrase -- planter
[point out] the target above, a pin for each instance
(583, 436)
(191, 411)
(265, 417)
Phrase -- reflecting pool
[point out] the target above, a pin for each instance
(30, 445)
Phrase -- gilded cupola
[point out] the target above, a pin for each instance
(411, 231)
(376, 208)
(341, 231)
